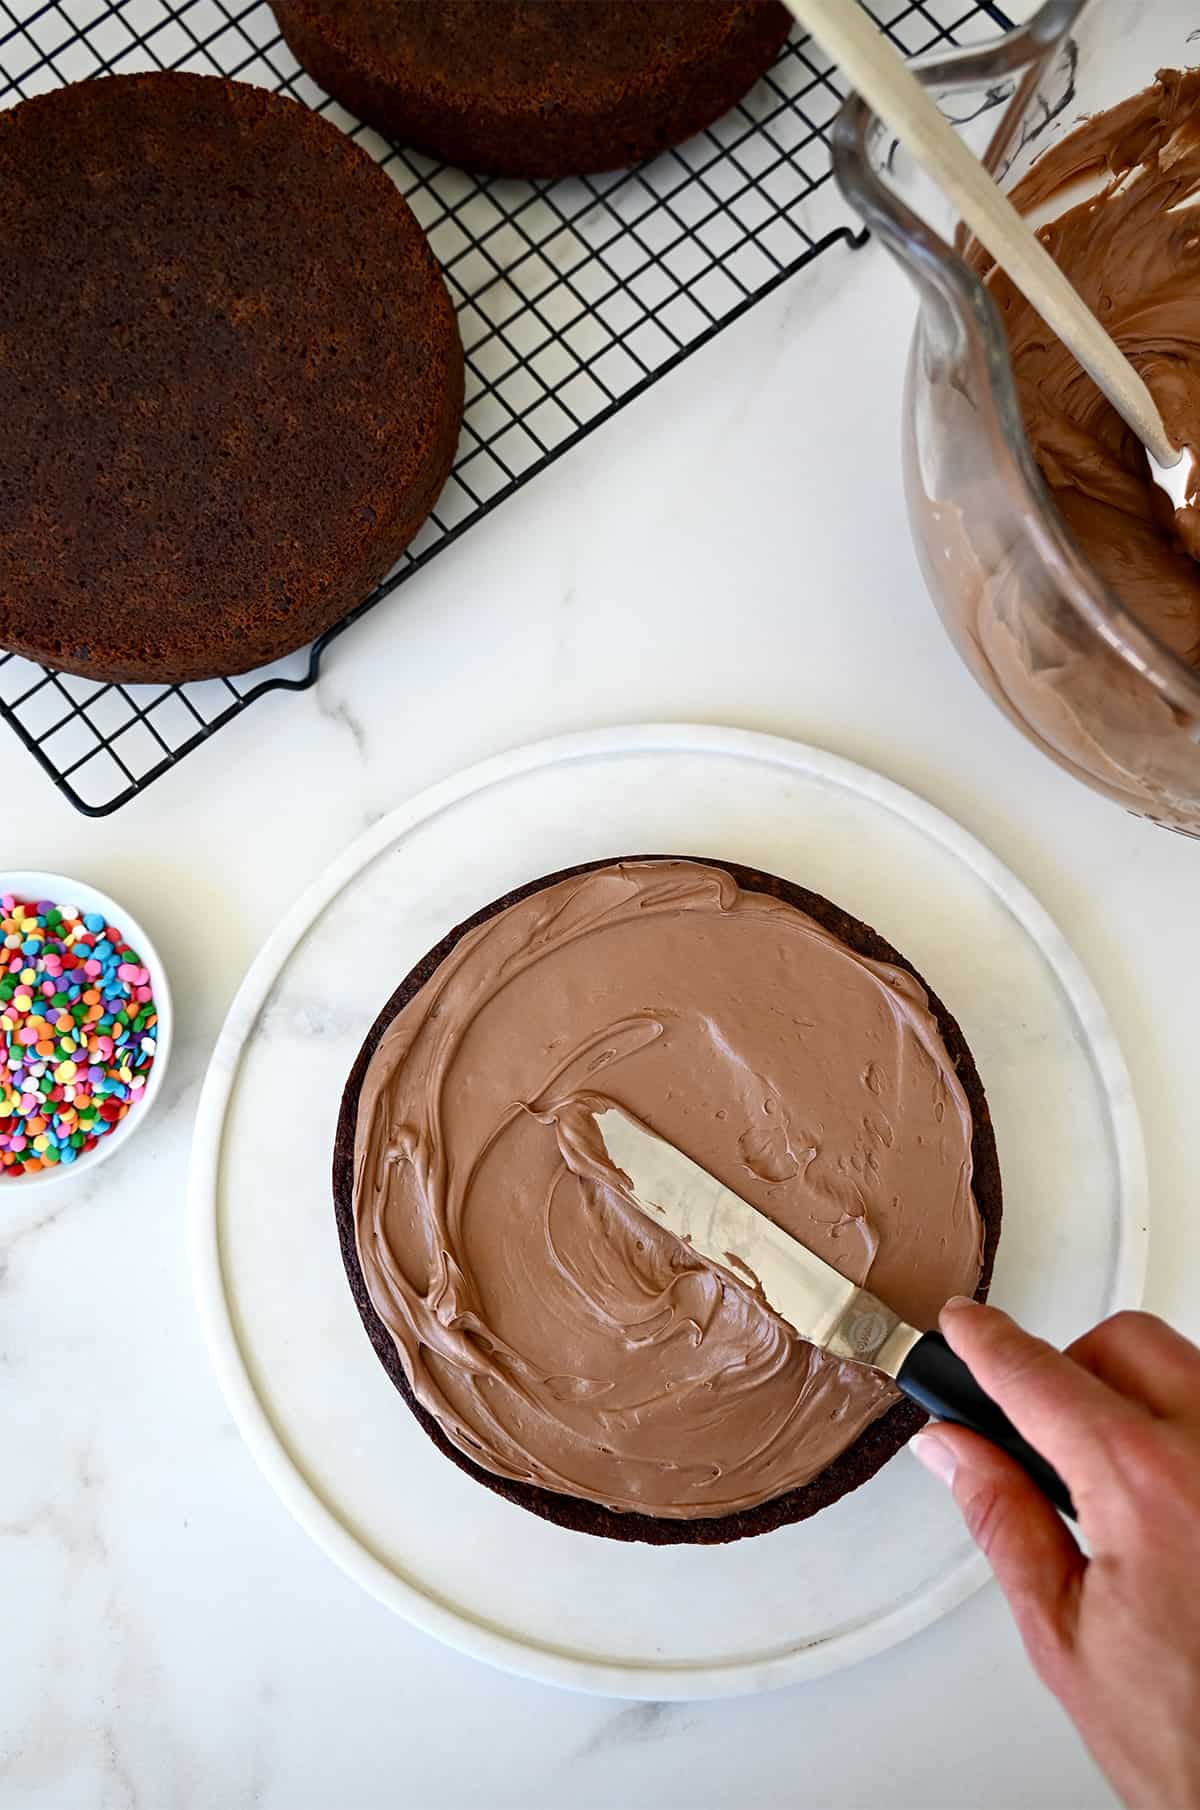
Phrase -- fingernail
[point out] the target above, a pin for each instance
(936, 1455)
(957, 1301)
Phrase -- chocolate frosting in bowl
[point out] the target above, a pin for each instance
(559, 1338)
(1133, 253)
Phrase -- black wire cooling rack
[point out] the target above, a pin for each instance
(573, 297)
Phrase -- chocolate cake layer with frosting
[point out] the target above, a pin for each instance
(559, 1342)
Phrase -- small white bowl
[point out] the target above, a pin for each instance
(31, 886)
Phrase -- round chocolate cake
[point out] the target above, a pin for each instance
(560, 1347)
(230, 377)
(536, 88)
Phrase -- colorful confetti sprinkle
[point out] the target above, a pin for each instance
(77, 1033)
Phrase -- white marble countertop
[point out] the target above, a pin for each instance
(731, 549)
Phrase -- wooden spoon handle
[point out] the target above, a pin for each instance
(890, 88)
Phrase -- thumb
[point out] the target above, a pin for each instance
(1036, 1562)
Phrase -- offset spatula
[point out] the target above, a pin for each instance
(809, 1293)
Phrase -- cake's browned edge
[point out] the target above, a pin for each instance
(593, 130)
(872, 1449)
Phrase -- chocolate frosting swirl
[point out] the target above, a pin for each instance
(558, 1336)
(1133, 253)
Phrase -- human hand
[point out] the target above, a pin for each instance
(1115, 1636)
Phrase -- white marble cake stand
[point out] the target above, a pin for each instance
(304, 1386)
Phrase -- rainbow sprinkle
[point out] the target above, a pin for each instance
(77, 1033)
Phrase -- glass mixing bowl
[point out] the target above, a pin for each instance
(1049, 641)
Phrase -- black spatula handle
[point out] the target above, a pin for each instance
(938, 1381)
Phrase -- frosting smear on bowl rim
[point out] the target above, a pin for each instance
(1132, 250)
